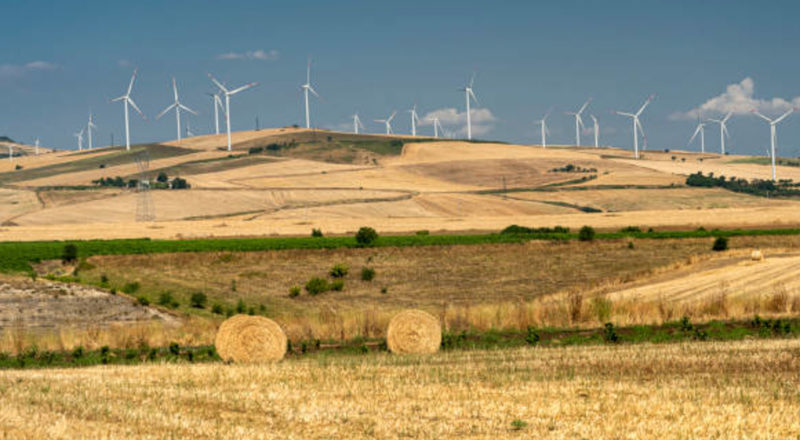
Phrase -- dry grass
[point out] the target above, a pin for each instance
(693, 390)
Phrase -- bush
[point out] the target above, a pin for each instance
(240, 306)
(216, 309)
(384, 290)
(198, 300)
(69, 254)
(610, 333)
(339, 271)
(366, 236)
(423, 232)
(337, 285)
(104, 280)
(131, 288)
(162, 177)
(586, 233)
(367, 274)
(720, 244)
(294, 291)
(631, 230)
(316, 232)
(143, 301)
(166, 300)
(532, 338)
(317, 285)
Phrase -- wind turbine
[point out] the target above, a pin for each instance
(723, 130)
(308, 88)
(596, 132)
(36, 144)
(414, 120)
(126, 98)
(637, 125)
(217, 105)
(469, 94)
(10, 153)
(436, 127)
(701, 130)
(79, 136)
(579, 121)
(388, 122)
(357, 123)
(545, 131)
(89, 127)
(228, 94)
(178, 107)
(773, 135)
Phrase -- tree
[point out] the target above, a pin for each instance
(198, 300)
(586, 233)
(69, 254)
(366, 236)
(162, 177)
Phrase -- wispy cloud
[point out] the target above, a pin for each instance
(123, 63)
(738, 98)
(260, 54)
(482, 120)
(8, 71)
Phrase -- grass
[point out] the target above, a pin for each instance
(760, 160)
(686, 390)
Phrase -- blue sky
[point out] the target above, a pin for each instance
(61, 59)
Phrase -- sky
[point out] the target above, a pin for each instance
(60, 60)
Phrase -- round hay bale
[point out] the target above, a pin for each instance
(414, 332)
(756, 255)
(250, 339)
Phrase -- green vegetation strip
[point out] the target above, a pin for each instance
(678, 331)
(17, 256)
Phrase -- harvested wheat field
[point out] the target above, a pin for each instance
(745, 389)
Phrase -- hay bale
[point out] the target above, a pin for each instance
(250, 339)
(414, 332)
(756, 255)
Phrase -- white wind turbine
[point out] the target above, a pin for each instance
(127, 100)
(90, 127)
(414, 120)
(228, 94)
(178, 107)
(773, 134)
(723, 130)
(596, 132)
(79, 136)
(36, 144)
(217, 106)
(308, 88)
(579, 121)
(469, 94)
(387, 122)
(10, 152)
(701, 130)
(436, 127)
(545, 130)
(637, 125)
(357, 123)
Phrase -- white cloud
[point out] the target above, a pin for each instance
(267, 55)
(123, 63)
(19, 70)
(740, 99)
(482, 120)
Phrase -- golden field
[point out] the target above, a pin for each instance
(711, 390)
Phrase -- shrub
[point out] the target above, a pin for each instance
(518, 425)
(586, 233)
(174, 348)
(294, 291)
(337, 285)
(69, 254)
(143, 301)
(423, 232)
(367, 274)
(720, 244)
(217, 309)
(131, 288)
(240, 306)
(384, 290)
(630, 245)
(166, 299)
(532, 338)
(198, 300)
(317, 285)
(103, 280)
(339, 271)
(77, 352)
(610, 333)
(631, 230)
(316, 232)
(366, 236)
(162, 177)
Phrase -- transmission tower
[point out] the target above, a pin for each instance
(145, 210)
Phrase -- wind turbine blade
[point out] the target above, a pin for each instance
(133, 78)
(135, 107)
(646, 103)
(728, 116)
(471, 93)
(547, 114)
(308, 72)
(175, 88)
(580, 120)
(630, 115)
(471, 80)
(243, 88)
(755, 112)
(391, 117)
(696, 132)
(585, 104)
(725, 130)
(641, 129)
(784, 116)
(314, 92)
(163, 112)
(218, 84)
(118, 99)
(183, 107)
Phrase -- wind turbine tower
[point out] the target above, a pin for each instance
(596, 132)
(723, 130)
(637, 125)
(90, 127)
(217, 106)
(469, 94)
(228, 94)
(79, 136)
(545, 131)
(773, 134)
(127, 100)
(178, 107)
(414, 120)
(579, 121)
(701, 130)
(387, 122)
(308, 88)
(357, 123)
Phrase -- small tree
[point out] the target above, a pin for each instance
(162, 177)
(720, 244)
(198, 300)
(316, 232)
(586, 233)
(317, 285)
(339, 270)
(367, 274)
(366, 236)
(69, 254)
